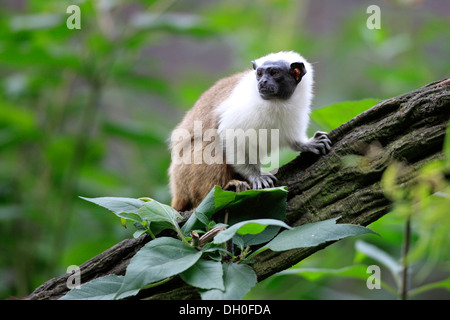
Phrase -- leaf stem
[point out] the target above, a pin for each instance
(429, 286)
(149, 231)
(180, 234)
(151, 285)
(406, 243)
(260, 250)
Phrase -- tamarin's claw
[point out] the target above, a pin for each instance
(320, 143)
(265, 180)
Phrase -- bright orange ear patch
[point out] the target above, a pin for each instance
(297, 74)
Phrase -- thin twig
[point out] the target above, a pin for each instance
(406, 243)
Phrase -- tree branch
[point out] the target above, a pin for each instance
(409, 128)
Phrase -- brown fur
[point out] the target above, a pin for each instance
(190, 183)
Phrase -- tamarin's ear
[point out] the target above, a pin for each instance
(298, 70)
(254, 65)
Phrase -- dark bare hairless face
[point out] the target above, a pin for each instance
(278, 79)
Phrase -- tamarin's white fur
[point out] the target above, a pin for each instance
(245, 109)
(236, 103)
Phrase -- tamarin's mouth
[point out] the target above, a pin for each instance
(267, 92)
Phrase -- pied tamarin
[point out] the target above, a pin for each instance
(276, 94)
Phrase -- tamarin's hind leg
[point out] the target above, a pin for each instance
(237, 186)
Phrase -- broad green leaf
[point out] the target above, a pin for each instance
(206, 207)
(251, 228)
(444, 284)
(201, 217)
(159, 259)
(313, 234)
(253, 201)
(104, 288)
(357, 271)
(155, 211)
(446, 148)
(333, 116)
(265, 203)
(238, 280)
(205, 274)
(248, 227)
(223, 198)
(126, 208)
(263, 237)
(138, 233)
(382, 257)
(35, 21)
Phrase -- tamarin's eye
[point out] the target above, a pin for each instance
(259, 73)
(273, 73)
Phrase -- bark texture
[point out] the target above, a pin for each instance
(409, 128)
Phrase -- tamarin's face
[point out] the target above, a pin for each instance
(278, 79)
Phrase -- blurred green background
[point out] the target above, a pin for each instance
(88, 112)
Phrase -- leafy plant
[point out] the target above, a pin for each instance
(210, 256)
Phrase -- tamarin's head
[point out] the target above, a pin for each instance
(278, 74)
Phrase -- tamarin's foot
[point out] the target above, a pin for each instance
(237, 186)
(265, 180)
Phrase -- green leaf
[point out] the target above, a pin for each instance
(103, 288)
(265, 203)
(238, 280)
(382, 257)
(446, 148)
(247, 227)
(159, 259)
(138, 233)
(263, 237)
(270, 202)
(205, 274)
(313, 234)
(333, 116)
(155, 211)
(35, 21)
(357, 271)
(201, 217)
(206, 208)
(126, 208)
(223, 198)
(444, 284)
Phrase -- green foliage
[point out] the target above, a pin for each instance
(332, 116)
(238, 280)
(104, 288)
(313, 234)
(248, 227)
(156, 261)
(216, 272)
(205, 274)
